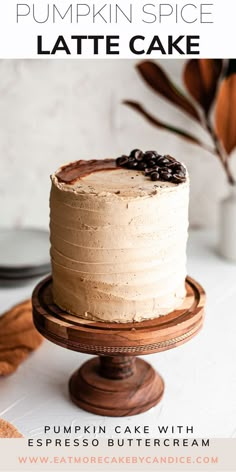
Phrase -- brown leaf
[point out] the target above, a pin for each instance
(157, 79)
(231, 67)
(201, 78)
(225, 114)
(160, 124)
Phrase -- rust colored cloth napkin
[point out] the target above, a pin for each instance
(7, 430)
(18, 337)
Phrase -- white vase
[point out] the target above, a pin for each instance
(227, 223)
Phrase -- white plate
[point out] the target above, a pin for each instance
(23, 251)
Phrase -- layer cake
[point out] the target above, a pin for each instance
(118, 237)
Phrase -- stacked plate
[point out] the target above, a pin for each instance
(24, 253)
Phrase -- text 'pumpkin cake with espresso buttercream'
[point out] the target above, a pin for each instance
(118, 237)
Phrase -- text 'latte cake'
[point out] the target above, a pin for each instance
(118, 237)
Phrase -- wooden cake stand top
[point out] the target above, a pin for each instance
(117, 339)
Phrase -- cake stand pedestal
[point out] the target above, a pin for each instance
(116, 383)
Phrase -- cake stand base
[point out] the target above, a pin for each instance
(117, 383)
(116, 386)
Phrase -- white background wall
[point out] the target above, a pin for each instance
(52, 112)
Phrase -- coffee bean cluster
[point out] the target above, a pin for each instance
(154, 165)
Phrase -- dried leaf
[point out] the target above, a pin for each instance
(201, 79)
(160, 124)
(231, 69)
(160, 83)
(225, 114)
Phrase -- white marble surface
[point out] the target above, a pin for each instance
(53, 112)
(200, 376)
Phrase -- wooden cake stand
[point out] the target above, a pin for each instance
(117, 383)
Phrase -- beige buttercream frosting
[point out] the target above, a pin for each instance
(118, 245)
